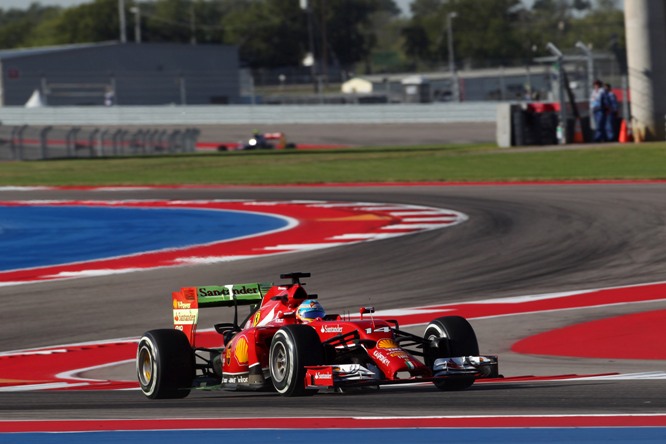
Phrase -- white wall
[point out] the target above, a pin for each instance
(242, 114)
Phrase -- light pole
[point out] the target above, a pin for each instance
(193, 29)
(590, 75)
(590, 65)
(137, 23)
(452, 64)
(562, 127)
(121, 20)
(307, 7)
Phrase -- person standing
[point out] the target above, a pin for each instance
(599, 107)
(109, 96)
(611, 115)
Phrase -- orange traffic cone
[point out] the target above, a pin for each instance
(625, 135)
(578, 132)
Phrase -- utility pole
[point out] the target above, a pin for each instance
(193, 37)
(137, 23)
(562, 127)
(452, 63)
(121, 20)
(307, 7)
(590, 76)
(324, 44)
(590, 66)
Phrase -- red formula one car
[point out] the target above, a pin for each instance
(289, 344)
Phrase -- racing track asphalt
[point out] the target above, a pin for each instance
(520, 240)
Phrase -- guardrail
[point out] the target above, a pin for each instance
(251, 114)
(24, 142)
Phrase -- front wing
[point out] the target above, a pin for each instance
(356, 375)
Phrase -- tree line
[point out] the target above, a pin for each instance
(363, 36)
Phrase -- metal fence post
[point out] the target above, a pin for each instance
(183, 90)
(92, 139)
(190, 140)
(115, 141)
(70, 141)
(17, 142)
(12, 142)
(173, 141)
(102, 142)
(44, 142)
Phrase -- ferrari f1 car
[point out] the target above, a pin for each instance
(288, 343)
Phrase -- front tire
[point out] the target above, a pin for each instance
(165, 364)
(293, 347)
(446, 337)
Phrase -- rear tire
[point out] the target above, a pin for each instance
(446, 337)
(165, 364)
(293, 347)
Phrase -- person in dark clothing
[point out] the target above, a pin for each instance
(611, 114)
(599, 108)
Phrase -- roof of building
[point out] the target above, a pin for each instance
(40, 50)
(445, 75)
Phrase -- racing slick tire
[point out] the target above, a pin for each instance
(293, 347)
(450, 336)
(165, 364)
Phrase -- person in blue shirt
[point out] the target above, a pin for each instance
(611, 115)
(599, 108)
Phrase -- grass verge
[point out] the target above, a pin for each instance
(454, 163)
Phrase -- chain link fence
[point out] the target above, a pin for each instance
(24, 142)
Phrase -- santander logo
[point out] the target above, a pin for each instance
(331, 329)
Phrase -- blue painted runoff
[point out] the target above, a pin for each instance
(587, 435)
(37, 236)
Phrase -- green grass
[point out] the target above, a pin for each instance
(409, 164)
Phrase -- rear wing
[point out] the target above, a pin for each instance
(188, 300)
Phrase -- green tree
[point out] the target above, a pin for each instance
(90, 22)
(20, 28)
(349, 39)
(269, 33)
(45, 31)
(565, 22)
(417, 45)
(273, 33)
(423, 33)
(356, 34)
(167, 21)
(386, 25)
(601, 27)
(483, 30)
(505, 32)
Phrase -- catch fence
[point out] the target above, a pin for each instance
(25, 142)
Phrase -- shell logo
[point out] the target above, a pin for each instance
(386, 343)
(241, 351)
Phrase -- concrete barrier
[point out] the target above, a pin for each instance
(249, 114)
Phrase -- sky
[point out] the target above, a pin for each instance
(23, 4)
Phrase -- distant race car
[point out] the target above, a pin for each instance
(260, 141)
(289, 344)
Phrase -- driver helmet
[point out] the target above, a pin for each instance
(309, 310)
